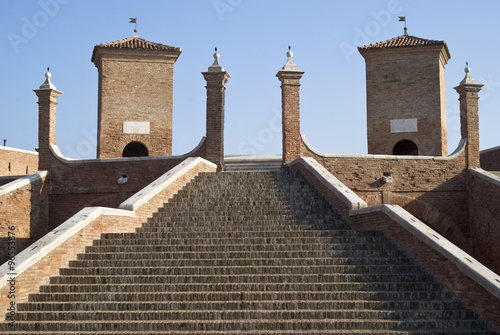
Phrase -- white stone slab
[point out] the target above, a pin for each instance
(404, 126)
(136, 127)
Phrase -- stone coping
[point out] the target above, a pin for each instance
(150, 191)
(489, 150)
(351, 199)
(55, 238)
(57, 153)
(23, 181)
(77, 222)
(486, 175)
(466, 263)
(19, 150)
(456, 153)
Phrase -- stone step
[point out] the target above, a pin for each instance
(248, 325)
(451, 305)
(336, 256)
(332, 235)
(361, 249)
(307, 268)
(293, 238)
(246, 262)
(242, 314)
(250, 278)
(240, 287)
(240, 296)
(272, 332)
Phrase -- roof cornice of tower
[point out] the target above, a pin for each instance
(136, 43)
(404, 41)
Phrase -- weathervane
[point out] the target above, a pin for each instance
(134, 20)
(403, 19)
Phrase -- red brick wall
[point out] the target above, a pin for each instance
(490, 159)
(78, 184)
(25, 209)
(484, 205)
(431, 184)
(14, 162)
(39, 274)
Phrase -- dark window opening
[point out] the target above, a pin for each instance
(135, 149)
(405, 147)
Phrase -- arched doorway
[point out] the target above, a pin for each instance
(135, 149)
(405, 147)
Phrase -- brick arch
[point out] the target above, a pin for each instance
(127, 139)
(405, 137)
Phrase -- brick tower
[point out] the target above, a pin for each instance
(406, 109)
(135, 103)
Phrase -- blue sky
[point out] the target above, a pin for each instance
(252, 37)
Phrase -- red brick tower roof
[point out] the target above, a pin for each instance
(404, 41)
(136, 43)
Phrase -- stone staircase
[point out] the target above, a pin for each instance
(244, 253)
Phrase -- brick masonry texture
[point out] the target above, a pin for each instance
(30, 280)
(406, 83)
(290, 105)
(26, 209)
(474, 296)
(490, 159)
(216, 91)
(15, 162)
(485, 221)
(135, 85)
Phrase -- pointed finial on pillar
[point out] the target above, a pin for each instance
(216, 67)
(47, 85)
(468, 79)
(290, 65)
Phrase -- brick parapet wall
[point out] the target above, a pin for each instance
(17, 162)
(428, 184)
(82, 183)
(44, 258)
(23, 211)
(490, 159)
(474, 284)
(484, 205)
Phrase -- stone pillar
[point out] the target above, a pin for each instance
(290, 76)
(47, 102)
(216, 78)
(469, 117)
